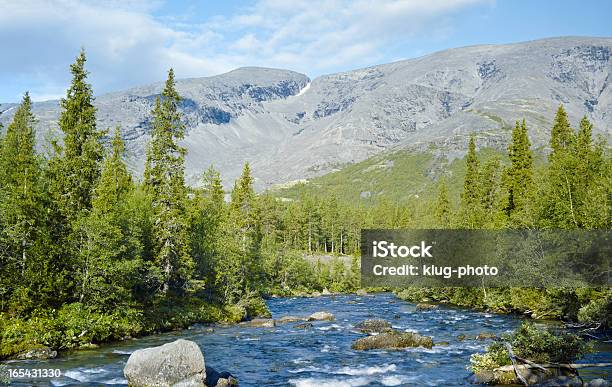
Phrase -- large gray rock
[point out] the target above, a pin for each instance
(293, 128)
(177, 364)
(392, 340)
(374, 325)
(321, 316)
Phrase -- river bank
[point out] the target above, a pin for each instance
(319, 355)
(74, 327)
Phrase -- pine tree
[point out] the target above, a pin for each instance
(518, 179)
(470, 197)
(443, 209)
(165, 181)
(77, 169)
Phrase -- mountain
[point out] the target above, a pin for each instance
(290, 127)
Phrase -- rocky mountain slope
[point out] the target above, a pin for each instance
(290, 127)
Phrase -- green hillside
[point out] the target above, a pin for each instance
(399, 176)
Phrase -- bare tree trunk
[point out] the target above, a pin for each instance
(569, 192)
(309, 236)
(332, 239)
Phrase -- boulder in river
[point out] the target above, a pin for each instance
(289, 319)
(361, 292)
(227, 382)
(41, 353)
(486, 336)
(393, 340)
(305, 325)
(506, 375)
(179, 363)
(373, 325)
(325, 292)
(597, 383)
(219, 379)
(424, 306)
(260, 323)
(321, 316)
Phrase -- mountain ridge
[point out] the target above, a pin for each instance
(292, 127)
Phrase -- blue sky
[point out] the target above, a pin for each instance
(134, 42)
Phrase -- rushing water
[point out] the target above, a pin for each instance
(320, 356)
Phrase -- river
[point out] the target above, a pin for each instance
(320, 356)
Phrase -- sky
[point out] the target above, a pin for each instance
(134, 42)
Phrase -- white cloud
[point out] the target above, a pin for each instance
(127, 45)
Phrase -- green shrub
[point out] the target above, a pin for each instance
(255, 306)
(597, 312)
(76, 326)
(532, 343)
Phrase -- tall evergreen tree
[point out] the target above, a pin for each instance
(77, 168)
(559, 197)
(109, 252)
(470, 197)
(443, 209)
(207, 218)
(72, 174)
(165, 180)
(561, 135)
(21, 215)
(115, 180)
(489, 184)
(244, 228)
(518, 178)
(592, 192)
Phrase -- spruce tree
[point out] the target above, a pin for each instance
(558, 199)
(115, 180)
(518, 178)
(470, 197)
(72, 173)
(489, 185)
(592, 192)
(207, 218)
(77, 169)
(561, 135)
(244, 227)
(110, 250)
(165, 181)
(443, 209)
(21, 213)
